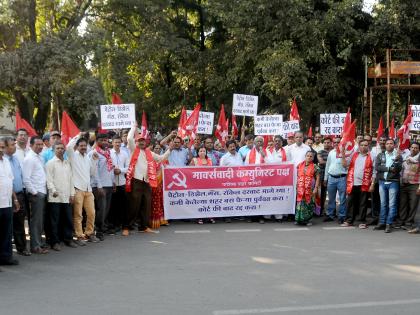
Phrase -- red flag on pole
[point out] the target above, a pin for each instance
(404, 132)
(347, 122)
(310, 132)
(222, 128)
(235, 130)
(116, 99)
(294, 114)
(348, 140)
(380, 131)
(23, 124)
(182, 120)
(68, 128)
(191, 124)
(144, 132)
(392, 129)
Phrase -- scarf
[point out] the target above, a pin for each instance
(200, 162)
(253, 157)
(283, 155)
(305, 177)
(151, 168)
(367, 173)
(107, 155)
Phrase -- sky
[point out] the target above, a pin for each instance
(369, 5)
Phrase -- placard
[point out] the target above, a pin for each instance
(205, 122)
(268, 125)
(245, 105)
(208, 192)
(415, 122)
(120, 116)
(290, 127)
(332, 124)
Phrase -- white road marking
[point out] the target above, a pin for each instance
(317, 307)
(339, 228)
(243, 230)
(192, 231)
(291, 229)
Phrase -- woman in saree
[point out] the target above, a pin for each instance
(308, 181)
(157, 217)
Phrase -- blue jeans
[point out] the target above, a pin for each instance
(389, 201)
(334, 185)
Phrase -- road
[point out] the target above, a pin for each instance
(223, 269)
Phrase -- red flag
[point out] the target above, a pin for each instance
(191, 124)
(348, 140)
(182, 120)
(235, 130)
(22, 123)
(144, 132)
(267, 139)
(392, 129)
(116, 99)
(222, 128)
(347, 122)
(68, 128)
(310, 132)
(404, 132)
(294, 114)
(380, 131)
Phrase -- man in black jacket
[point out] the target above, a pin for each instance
(388, 168)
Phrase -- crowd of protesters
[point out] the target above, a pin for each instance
(111, 183)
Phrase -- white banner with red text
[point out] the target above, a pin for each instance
(219, 191)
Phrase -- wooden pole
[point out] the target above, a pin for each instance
(370, 110)
(388, 85)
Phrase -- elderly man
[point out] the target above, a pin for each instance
(83, 169)
(297, 151)
(19, 234)
(6, 216)
(141, 177)
(318, 145)
(60, 197)
(35, 181)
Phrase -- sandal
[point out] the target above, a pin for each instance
(346, 224)
(363, 226)
(200, 221)
(414, 231)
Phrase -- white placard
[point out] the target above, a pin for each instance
(332, 124)
(245, 105)
(268, 125)
(205, 122)
(415, 122)
(290, 126)
(118, 116)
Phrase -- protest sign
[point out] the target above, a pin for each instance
(208, 192)
(205, 122)
(415, 122)
(245, 105)
(268, 125)
(290, 127)
(119, 116)
(332, 124)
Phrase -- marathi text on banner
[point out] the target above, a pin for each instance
(268, 125)
(332, 124)
(290, 126)
(415, 122)
(245, 105)
(205, 122)
(206, 192)
(119, 116)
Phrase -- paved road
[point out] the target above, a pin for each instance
(223, 269)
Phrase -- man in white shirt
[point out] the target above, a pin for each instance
(140, 175)
(279, 154)
(297, 151)
(22, 145)
(35, 181)
(231, 158)
(6, 212)
(119, 198)
(60, 197)
(102, 183)
(82, 169)
(256, 155)
(318, 145)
